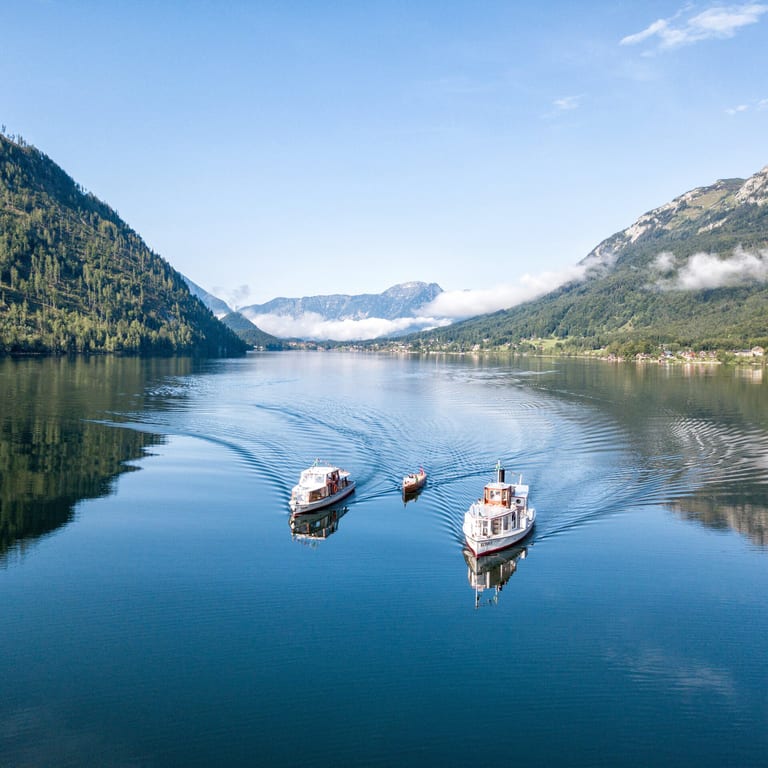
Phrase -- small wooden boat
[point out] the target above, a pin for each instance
(414, 481)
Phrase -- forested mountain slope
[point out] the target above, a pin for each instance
(75, 278)
(692, 272)
(250, 333)
(218, 306)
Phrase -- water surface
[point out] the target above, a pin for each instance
(159, 608)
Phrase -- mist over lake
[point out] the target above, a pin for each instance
(161, 607)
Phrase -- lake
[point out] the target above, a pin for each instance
(161, 608)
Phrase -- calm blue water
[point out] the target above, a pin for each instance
(157, 609)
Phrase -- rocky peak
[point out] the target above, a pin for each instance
(699, 211)
(754, 191)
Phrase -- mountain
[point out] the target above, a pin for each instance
(75, 278)
(339, 316)
(219, 307)
(250, 333)
(692, 272)
(397, 301)
(398, 306)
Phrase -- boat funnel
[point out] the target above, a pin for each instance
(499, 473)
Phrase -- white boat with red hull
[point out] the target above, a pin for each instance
(320, 486)
(500, 518)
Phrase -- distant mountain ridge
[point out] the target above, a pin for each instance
(691, 272)
(343, 317)
(393, 312)
(400, 300)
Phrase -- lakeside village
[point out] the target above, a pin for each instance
(755, 356)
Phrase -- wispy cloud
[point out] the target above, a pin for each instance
(237, 296)
(567, 103)
(756, 104)
(448, 307)
(717, 22)
(708, 270)
(458, 305)
(563, 105)
(234, 297)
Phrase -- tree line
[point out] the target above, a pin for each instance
(75, 278)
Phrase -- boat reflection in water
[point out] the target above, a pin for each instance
(316, 526)
(409, 496)
(492, 571)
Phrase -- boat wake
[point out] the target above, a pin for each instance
(582, 461)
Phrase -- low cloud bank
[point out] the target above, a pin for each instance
(313, 326)
(448, 307)
(458, 305)
(708, 270)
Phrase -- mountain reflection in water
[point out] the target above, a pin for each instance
(699, 434)
(53, 451)
(743, 516)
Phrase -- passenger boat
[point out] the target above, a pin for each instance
(414, 481)
(500, 518)
(320, 486)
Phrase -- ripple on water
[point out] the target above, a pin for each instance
(581, 461)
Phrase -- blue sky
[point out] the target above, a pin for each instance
(298, 148)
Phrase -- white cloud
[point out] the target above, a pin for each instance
(313, 326)
(567, 103)
(718, 22)
(232, 296)
(664, 263)
(237, 296)
(708, 270)
(462, 304)
(448, 307)
(659, 27)
(754, 104)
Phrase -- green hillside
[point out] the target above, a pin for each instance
(75, 278)
(251, 334)
(691, 273)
